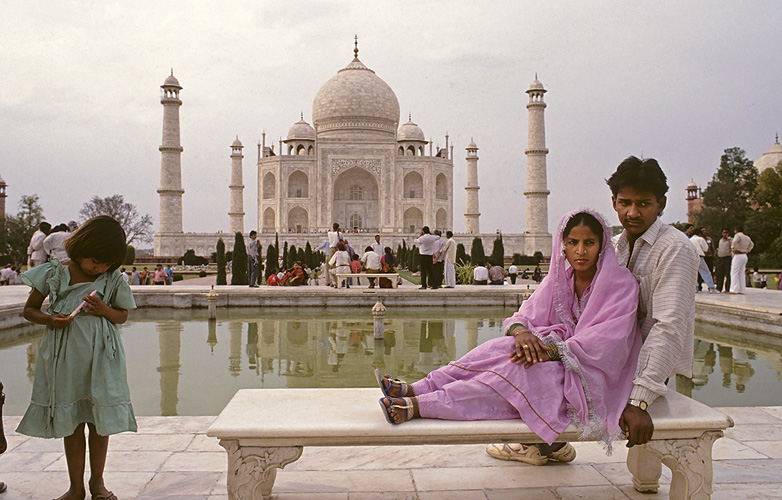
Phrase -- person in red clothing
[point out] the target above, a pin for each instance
(296, 276)
(355, 268)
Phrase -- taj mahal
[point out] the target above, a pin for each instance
(356, 166)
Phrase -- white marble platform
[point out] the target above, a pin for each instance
(172, 458)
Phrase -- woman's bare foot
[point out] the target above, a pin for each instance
(396, 388)
(98, 491)
(401, 409)
(73, 494)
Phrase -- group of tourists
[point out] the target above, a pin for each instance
(731, 253)
(486, 273)
(48, 243)
(593, 346)
(343, 259)
(159, 276)
(437, 258)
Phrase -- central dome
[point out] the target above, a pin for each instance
(355, 99)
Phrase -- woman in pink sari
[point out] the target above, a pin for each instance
(568, 354)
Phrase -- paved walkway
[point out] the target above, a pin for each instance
(171, 458)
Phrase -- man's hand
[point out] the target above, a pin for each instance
(637, 425)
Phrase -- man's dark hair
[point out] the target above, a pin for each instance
(438, 232)
(642, 175)
(687, 226)
(425, 229)
(335, 226)
(739, 228)
(368, 249)
(448, 234)
(725, 229)
(253, 233)
(45, 227)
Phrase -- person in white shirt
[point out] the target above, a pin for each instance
(376, 246)
(512, 272)
(426, 242)
(480, 275)
(54, 244)
(448, 255)
(438, 265)
(36, 255)
(5, 275)
(334, 238)
(701, 247)
(740, 245)
(371, 262)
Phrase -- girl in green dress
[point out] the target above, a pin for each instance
(80, 374)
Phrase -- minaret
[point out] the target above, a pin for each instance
(471, 213)
(236, 207)
(538, 238)
(170, 189)
(3, 196)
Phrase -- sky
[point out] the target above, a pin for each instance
(80, 111)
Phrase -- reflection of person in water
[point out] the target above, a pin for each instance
(726, 363)
(700, 368)
(741, 368)
(252, 345)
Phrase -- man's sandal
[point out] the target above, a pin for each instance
(404, 387)
(408, 407)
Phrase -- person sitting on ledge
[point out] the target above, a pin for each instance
(296, 276)
(567, 357)
(480, 275)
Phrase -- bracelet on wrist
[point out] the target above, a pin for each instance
(553, 352)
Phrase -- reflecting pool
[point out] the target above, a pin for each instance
(180, 363)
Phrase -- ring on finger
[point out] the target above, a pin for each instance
(525, 346)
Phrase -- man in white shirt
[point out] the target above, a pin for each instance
(54, 244)
(438, 266)
(36, 255)
(426, 242)
(371, 262)
(334, 236)
(701, 247)
(740, 245)
(376, 246)
(512, 272)
(5, 275)
(448, 256)
(480, 275)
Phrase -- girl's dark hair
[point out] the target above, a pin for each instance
(589, 221)
(100, 238)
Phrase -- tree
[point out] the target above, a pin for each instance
(461, 255)
(308, 258)
(769, 189)
(239, 265)
(130, 255)
(727, 200)
(137, 227)
(498, 252)
(285, 263)
(477, 255)
(16, 230)
(221, 277)
(271, 261)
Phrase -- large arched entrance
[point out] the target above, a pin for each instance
(413, 220)
(356, 200)
(297, 220)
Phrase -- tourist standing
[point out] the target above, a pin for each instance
(376, 246)
(724, 255)
(36, 255)
(711, 252)
(448, 254)
(537, 274)
(334, 237)
(135, 278)
(169, 275)
(54, 244)
(5, 275)
(160, 275)
(741, 245)
(701, 247)
(426, 242)
(252, 259)
(438, 266)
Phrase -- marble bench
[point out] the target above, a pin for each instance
(266, 429)
(394, 277)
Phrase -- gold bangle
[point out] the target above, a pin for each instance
(553, 352)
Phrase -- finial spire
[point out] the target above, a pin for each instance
(409, 117)
(536, 75)
(302, 116)
(355, 49)
(777, 138)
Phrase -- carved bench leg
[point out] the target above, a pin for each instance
(646, 468)
(252, 470)
(690, 464)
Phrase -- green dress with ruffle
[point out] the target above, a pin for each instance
(80, 374)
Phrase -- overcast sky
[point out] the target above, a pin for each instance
(80, 111)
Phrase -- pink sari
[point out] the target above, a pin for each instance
(598, 340)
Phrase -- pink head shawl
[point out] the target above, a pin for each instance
(600, 349)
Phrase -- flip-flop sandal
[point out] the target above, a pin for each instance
(109, 496)
(408, 407)
(404, 387)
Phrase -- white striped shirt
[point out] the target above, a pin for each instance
(665, 265)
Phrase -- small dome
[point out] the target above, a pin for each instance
(770, 158)
(471, 145)
(692, 185)
(171, 81)
(2, 182)
(410, 132)
(301, 130)
(237, 143)
(536, 85)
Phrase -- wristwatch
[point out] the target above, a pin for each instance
(639, 404)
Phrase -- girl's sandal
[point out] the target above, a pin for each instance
(404, 388)
(408, 407)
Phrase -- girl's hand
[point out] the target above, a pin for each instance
(60, 320)
(528, 348)
(96, 306)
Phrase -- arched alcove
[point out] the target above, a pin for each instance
(410, 151)
(298, 220)
(269, 186)
(413, 220)
(441, 219)
(268, 220)
(441, 187)
(356, 193)
(413, 185)
(298, 185)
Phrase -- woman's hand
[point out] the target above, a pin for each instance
(528, 348)
(96, 306)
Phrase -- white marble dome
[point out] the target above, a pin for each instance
(410, 132)
(237, 143)
(355, 98)
(770, 158)
(301, 130)
(171, 81)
